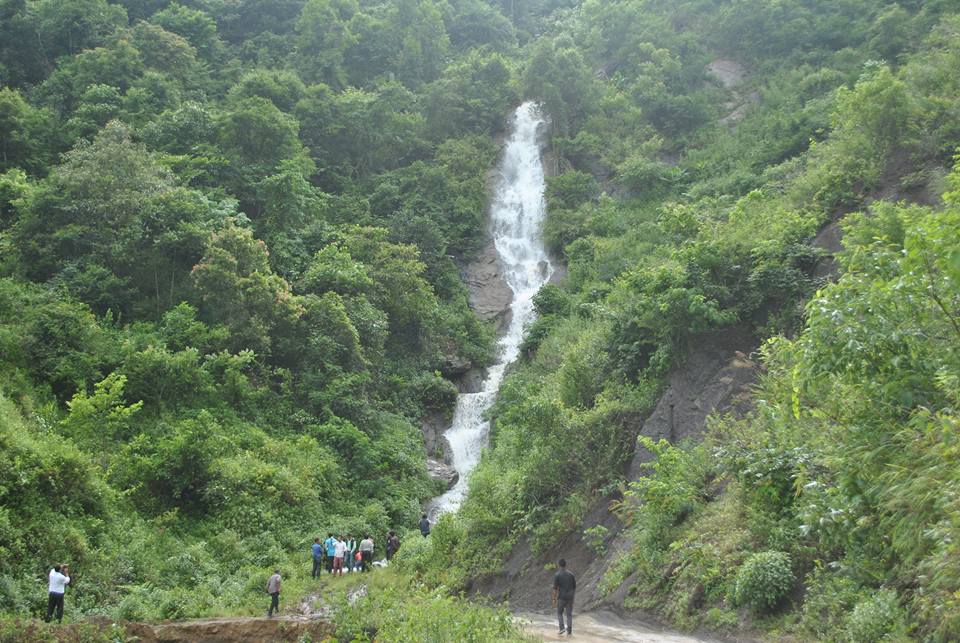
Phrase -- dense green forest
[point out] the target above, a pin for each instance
(231, 234)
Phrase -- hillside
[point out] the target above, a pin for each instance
(761, 243)
(234, 240)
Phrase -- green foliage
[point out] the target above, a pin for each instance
(877, 618)
(595, 537)
(763, 580)
(671, 490)
(425, 616)
(570, 189)
(673, 225)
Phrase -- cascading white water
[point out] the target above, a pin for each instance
(516, 215)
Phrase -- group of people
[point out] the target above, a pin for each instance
(337, 553)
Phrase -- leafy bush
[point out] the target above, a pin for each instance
(414, 556)
(876, 618)
(594, 538)
(827, 603)
(763, 580)
(396, 613)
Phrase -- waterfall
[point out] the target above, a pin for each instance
(516, 214)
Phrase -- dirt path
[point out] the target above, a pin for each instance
(231, 630)
(308, 618)
(601, 627)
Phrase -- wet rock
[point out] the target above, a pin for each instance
(442, 471)
(432, 428)
(489, 294)
(472, 380)
(454, 365)
(729, 72)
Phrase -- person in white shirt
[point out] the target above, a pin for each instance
(339, 551)
(59, 580)
(273, 588)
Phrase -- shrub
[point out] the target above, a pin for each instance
(414, 556)
(411, 614)
(9, 595)
(763, 580)
(827, 603)
(595, 538)
(875, 618)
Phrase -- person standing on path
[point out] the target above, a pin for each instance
(273, 588)
(317, 550)
(366, 552)
(331, 544)
(58, 578)
(424, 525)
(339, 551)
(564, 588)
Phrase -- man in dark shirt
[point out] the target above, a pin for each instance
(317, 550)
(424, 525)
(564, 587)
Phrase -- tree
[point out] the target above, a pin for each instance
(423, 42)
(237, 289)
(22, 62)
(165, 51)
(112, 226)
(475, 23)
(24, 133)
(322, 39)
(197, 27)
(257, 136)
(471, 96)
(281, 87)
(118, 65)
(291, 215)
(396, 272)
(71, 27)
(558, 77)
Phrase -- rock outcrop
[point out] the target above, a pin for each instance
(730, 75)
(432, 427)
(489, 294)
(716, 379)
(442, 471)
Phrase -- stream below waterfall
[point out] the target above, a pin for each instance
(516, 216)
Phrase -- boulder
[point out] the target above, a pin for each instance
(442, 471)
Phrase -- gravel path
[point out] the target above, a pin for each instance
(597, 627)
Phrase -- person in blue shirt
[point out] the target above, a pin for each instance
(331, 544)
(317, 549)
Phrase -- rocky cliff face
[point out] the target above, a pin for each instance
(489, 294)
(715, 379)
